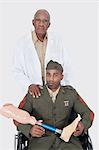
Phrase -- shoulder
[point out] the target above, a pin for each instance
(44, 89)
(24, 39)
(57, 37)
(23, 44)
(68, 88)
(53, 36)
(29, 97)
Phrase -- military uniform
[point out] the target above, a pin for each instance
(56, 114)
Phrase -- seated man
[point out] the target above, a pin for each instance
(54, 107)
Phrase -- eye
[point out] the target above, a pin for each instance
(45, 21)
(47, 74)
(38, 20)
(56, 75)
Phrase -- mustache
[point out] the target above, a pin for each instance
(50, 82)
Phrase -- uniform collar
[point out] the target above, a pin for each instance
(51, 92)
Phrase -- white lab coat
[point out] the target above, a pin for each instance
(27, 68)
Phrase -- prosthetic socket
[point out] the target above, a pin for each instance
(22, 116)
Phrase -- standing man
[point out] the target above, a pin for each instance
(54, 107)
(34, 51)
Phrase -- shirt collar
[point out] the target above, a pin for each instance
(50, 91)
(35, 38)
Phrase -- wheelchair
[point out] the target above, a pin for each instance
(22, 142)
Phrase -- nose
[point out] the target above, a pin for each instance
(51, 78)
(41, 23)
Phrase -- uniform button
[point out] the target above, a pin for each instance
(54, 114)
(54, 107)
(55, 120)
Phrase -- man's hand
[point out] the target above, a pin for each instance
(34, 90)
(79, 129)
(37, 131)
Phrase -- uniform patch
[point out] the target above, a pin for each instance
(66, 103)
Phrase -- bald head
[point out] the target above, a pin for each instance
(42, 11)
(41, 23)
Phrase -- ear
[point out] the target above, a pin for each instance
(33, 22)
(62, 77)
(49, 24)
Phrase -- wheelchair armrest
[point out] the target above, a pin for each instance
(21, 141)
(86, 141)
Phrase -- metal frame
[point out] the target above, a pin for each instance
(21, 141)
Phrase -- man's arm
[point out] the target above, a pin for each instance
(19, 67)
(20, 72)
(27, 129)
(27, 106)
(86, 113)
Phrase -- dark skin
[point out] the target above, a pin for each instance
(53, 79)
(41, 23)
(37, 131)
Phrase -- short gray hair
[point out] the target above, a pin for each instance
(44, 11)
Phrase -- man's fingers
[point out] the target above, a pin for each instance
(34, 90)
(37, 92)
(30, 92)
(79, 129)
(33, 93)
(40, 131)
(41, 87)
(37, 131)
(77, 133)
(40, 128)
